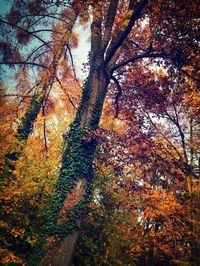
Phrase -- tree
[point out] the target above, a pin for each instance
(117, 42)
(26, 189)
(142, 206)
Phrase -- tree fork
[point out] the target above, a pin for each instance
(74, 186)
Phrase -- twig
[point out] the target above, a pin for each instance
(119, 93)
(70, 100)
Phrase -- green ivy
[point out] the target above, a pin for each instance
(26, 126)
(76, 164)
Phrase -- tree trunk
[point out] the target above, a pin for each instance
(23, 132)
(29, 117)
(74, 186)
(195, 218)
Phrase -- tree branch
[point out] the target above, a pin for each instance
(163, 135)
(175, 121)
(119, 93)
(70, 100)
(28, 32)
(39, 55)
(51, 15)
(34, 51)
(44, 129)
(109, 22)
(136, 12)
(43, 30)
(22, 63)
(72, 62)
(96, 30)
(141, 56)
(17, 95)
(181, 133)
(148, 54)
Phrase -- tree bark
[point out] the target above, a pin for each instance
(23, 132)
(74, 186)
(29, 117)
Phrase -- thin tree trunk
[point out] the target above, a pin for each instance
(29, 117)
(23, 132)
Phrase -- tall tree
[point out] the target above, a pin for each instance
(10, 51)
(132, 219)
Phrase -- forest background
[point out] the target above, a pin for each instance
(99, 164)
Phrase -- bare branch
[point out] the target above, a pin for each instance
(17, 95)
(150, 54)
(175, 120)
(119, 93)
(43, 30)
(141, 56)
(28, 32)
(96, 29)
(61, 86)
(115, 44)
(39, 55)
(34, 51)
(73, 67)
(163, 135)
(109, 22)
(44, 129)
(22, 63)
(180, 132)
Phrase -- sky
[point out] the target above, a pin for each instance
(80, 54)
(4, 6)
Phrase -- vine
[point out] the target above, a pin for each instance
(26, 126)
(72, 171)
